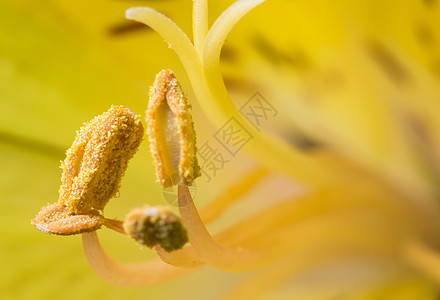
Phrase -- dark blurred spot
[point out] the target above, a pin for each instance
(430, 2)
(267, 50)
(389, 64)
(297, 59)
(333, 78)
(424, 34)
(303, 142)
(126, 27)
(229, 54)
(237, 84)
(32, 145)
(423, 141)
(436, 68)
(419, 129)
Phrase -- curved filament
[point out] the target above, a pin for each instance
(274, 153)
(183, 258)
(220, 257)
(231, 195)
(148, 273)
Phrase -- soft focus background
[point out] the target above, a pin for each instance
(61, 64)
(64, 62)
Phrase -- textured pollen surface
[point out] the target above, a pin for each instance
(98, 159)
(55, 219)
(171, 132)
(150, 226)
(92, 172)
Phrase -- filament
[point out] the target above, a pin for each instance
(273, 153)
(183, 258)
(318, 220)
(214, 43)
(256, 285)
(137, 274)
(270, 151)
(177, 40)
(245, 242)
(114, 225)
(220, 257)
(231, 195)
(200, 25)
(188, 257)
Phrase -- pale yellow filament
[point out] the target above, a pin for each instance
(183, 258)
(176, 39)
(188, 257)
(231, 195)
(295, 228)
(220, 257)
(294, 219)
(263, 147)
(137, 274)
(316, 221)
(305, 231)
(273, 153)
(200, 25)
(258, 284)
(272, 227)
(213, 45)
(360, 194)
(366, 203)
(114, 225)
(325, 238)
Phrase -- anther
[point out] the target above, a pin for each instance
(92, 172)
(171, 132)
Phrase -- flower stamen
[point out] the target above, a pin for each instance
(92, 172)
(171, 132)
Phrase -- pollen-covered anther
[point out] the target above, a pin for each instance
(171, 132)
(155, 225)
(92, 172)
(55, 219)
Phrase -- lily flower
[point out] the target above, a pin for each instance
(357, 139)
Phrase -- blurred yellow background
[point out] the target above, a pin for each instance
(321, 63)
